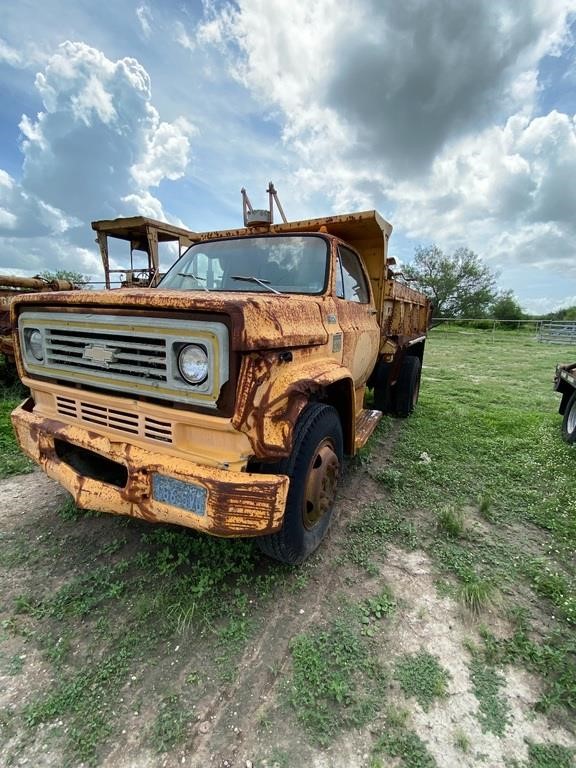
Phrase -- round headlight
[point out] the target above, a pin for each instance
(193, 364)
(35, 344)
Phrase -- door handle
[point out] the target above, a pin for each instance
(372, 311)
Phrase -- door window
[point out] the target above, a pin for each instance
(350, 281)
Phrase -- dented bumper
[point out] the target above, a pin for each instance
(122, 478)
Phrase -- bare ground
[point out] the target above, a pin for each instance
(227, 728)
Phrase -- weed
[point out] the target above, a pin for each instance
(553, 658)
(56, 650)
(549, 756)
(421, 675)
(476, 594)
(485, 508)
(69, 512)
(335, 684)
(372, 529)
(230, 639)
(487, 683)
(462, 741)
(85, 697)
(170, 725)
(552, 584)
(193, 677)
(450, 522)
(16, 664)
(375, 608)
(407, 746)
(279, 758)
(389, 477)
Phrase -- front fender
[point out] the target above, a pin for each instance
(272, 394)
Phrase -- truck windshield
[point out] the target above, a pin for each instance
(271, 264)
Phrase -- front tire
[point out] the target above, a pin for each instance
(569, 421)
(313, 467)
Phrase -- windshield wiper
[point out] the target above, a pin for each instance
(195, 277)
(257, 280)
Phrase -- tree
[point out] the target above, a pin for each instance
(506, 307)
(77, 278)
(460, 285)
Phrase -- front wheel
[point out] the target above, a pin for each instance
(569, 422)
(313, 467)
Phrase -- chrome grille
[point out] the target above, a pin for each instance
(134, 356)
(114, 418)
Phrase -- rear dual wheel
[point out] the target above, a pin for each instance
(407, 387)
(401, 398)
(314, 467)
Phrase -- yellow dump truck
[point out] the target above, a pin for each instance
(225, 398)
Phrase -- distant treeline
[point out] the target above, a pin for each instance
(568, 313)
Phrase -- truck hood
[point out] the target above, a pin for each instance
(259, 321)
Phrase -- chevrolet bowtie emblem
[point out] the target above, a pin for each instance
(99, 354)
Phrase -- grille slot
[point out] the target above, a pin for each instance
(114, 418)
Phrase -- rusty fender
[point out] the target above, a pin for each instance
(273, 392)
(237, 503)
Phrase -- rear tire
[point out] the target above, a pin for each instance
(569, 421)
(381, 387)
(407, 387)
(313, 467)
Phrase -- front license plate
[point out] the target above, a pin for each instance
(179, 493)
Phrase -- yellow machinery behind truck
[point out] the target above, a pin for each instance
(12, 286)
(225, 398)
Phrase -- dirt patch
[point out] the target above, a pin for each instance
(438, 625)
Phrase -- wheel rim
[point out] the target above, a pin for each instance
(321, 484)
(571, 420)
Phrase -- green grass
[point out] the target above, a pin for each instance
(107, 600)
(476, 594)
(12, 461)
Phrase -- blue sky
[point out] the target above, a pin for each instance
(456, 120)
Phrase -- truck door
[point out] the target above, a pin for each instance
(356, 316)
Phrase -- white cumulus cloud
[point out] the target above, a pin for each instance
(427, 108)
(93, 151)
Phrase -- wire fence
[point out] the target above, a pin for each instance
(546, 331)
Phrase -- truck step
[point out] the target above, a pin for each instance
(366, 423)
